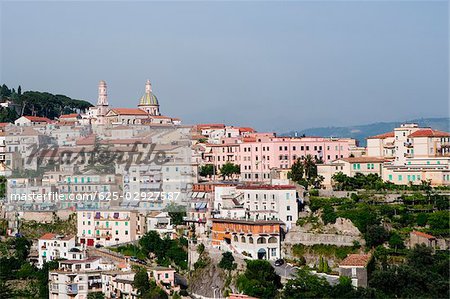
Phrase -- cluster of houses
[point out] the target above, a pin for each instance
(54, 166)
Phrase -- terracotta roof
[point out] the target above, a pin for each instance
(424, 235)
(210, 126)
(429, 133)
(72, 115)
(382, 136)
(249, 139)
(52, 236)
(38, 119)
(47, 236)
(363, 159)
(4, 124)
(246, 129)
(359, 260)
(129, 111)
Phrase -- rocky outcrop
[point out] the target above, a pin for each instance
(342, 233)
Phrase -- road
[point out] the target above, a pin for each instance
(285, 270)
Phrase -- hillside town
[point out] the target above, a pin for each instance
(110, 202)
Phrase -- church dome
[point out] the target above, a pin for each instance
(148, 99)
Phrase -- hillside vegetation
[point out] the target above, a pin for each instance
(37, 103)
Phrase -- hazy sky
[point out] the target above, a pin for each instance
(275, 66)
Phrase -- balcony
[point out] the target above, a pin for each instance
(389, 145)
(407, 144)
(103, 227)
(72, 289)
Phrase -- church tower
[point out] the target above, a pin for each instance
(149, 102)
(102, 102)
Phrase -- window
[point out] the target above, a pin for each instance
(400, 177)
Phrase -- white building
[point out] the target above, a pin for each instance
(161, 223)
(258, 202)
(53, 247)
(31, 121)
(75, 279)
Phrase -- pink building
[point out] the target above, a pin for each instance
(260, 153)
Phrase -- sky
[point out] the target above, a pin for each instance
(272, 65)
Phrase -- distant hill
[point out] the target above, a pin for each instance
(361, 132)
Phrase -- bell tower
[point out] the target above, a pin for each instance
(102, 101)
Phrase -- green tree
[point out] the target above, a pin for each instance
(306, 285)
(227, 261)
(229, 169)
(396, 241)
(176, 213)
(297, 171)
(375, 235)
(200, 248)
(22, 247)
(141, 281)
(439, 222)
(95, 295)
(328, 214)
(206, 170)
(259, 280)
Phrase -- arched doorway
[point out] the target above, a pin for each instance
(262, 254)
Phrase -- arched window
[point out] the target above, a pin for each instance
(273, 240)
(243, 239)
(235, 239)
(261, 240)
(250, 240)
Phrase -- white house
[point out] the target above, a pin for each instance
(52, 247)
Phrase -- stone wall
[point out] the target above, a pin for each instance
(309, 239)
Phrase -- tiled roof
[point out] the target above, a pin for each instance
(429, 133)
(202, 126)
(246, 129)
(38, 119)
(47, 236)
(359, 260)
(72, 115)
(382, 136)
(52, 236)
(424, 235)
(129, 111)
